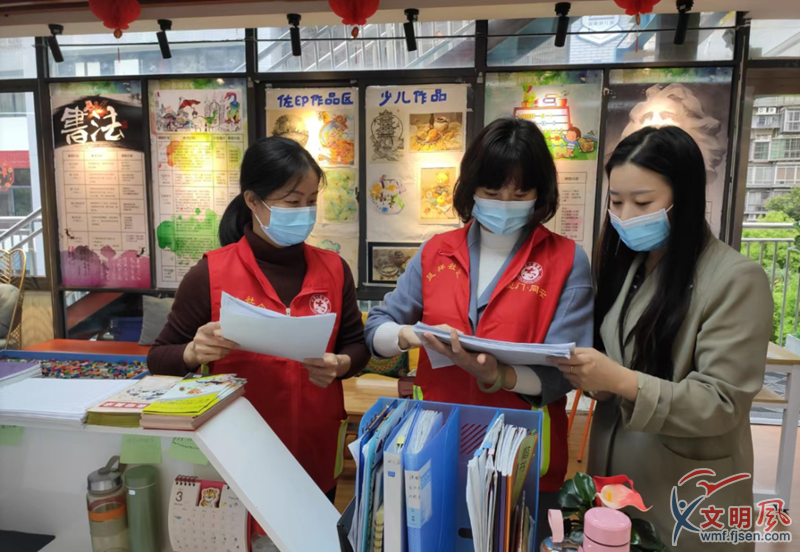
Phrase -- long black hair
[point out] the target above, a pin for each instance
(268, 165)
(672, 153)
(508, 151)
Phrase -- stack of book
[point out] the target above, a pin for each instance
(125, 409)
(14, 371)
(192, 402)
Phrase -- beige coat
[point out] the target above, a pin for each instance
(700, 419)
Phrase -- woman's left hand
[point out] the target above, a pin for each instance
(484, 367)
(322, 371)
(591, 371)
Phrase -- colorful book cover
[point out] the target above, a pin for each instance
(195, 396)
(134, 399)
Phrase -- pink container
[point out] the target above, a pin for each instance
(606, 530)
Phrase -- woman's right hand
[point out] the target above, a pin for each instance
(207, 346)
(407, 339)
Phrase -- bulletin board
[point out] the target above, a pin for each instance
(416, 136)
(325, 122)
(98, 131)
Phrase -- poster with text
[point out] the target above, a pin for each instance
(565, 105)
(100, 184)
(325, 122)
(198, 136)
(697, 100)
(416, 136)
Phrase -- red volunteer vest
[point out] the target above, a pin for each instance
(520, 310)
(309, 420)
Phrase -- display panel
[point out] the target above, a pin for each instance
(198, 136)
(695, 99)
(100, 184)
(416, 139)
(325, 122)
(565, 105)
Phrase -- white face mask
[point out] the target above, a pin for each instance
(289, 226)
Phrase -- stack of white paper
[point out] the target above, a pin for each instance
(526, 354)
(267, 332)
(61, 401)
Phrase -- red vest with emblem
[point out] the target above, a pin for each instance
(309, 420)
(520, 310)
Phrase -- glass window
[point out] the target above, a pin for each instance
(760, 151)
(785, 148)
(787, 175)
(791, 120)
(756, 201)
(210, 51)
(379, 47)
(17, 58)
(774, 38)
(760, 175)
(610, 39)
(765, 121)
(20, 193)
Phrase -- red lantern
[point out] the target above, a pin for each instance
(116, 14)
(637, 7)
(354, 12)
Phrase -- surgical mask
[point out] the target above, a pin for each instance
(502, 217)
(289, 226)
(645, 232)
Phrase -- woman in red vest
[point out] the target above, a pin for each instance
(264, 261)
(503, 276)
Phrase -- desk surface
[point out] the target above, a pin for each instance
(361, 393)
(778, 355)
(90, 347)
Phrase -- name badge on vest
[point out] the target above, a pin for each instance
(320, 304)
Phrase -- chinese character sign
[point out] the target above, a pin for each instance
(100, 184)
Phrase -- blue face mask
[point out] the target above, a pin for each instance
(502, 217)
(645, 232)
(290, 226)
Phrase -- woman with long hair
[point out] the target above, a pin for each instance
(264, 261)
(503, 276)
(683, 326)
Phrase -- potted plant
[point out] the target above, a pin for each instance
(582, 493)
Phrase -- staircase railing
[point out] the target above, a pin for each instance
(26, 234)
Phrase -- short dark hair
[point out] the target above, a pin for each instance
(576, 130)
(508, 151)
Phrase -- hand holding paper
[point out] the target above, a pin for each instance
(208, 345)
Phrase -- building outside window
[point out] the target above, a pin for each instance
(785, 148)
(791, 120)
(760, 176)
(761, 151)
(787, 175)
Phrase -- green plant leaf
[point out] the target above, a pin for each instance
(568, 496)
(585, 486)
(649, 538)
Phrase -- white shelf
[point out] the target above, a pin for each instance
(47, 475)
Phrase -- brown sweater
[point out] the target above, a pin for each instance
(285, 269)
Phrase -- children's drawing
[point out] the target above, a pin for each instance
(339, 196)
(436, 195)
(205, 111)
(389, 262)
(386, 132)
(337, 138)
(386, 195)
(293, 127)
(437, 132)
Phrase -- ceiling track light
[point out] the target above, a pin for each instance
(163, 41)
(294, 33)
(412, 16)
(562, 11)
(684, 6)
(52, 42)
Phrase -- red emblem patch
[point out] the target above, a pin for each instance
(320, 304)
(531, 273)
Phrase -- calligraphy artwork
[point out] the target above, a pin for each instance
(434, 132)
(100, 184)
(436, 195)
(198, 139)
(386, 134)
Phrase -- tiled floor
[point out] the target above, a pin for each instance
(765, 443)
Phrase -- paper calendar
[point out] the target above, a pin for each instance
(206, 516)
